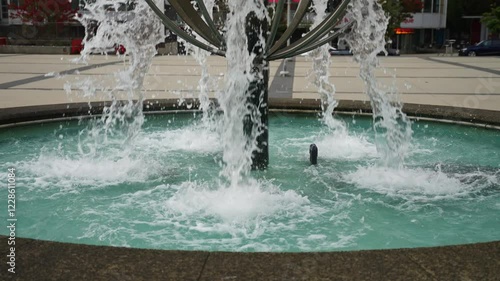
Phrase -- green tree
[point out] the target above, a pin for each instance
(393, 9)
(399, 11)
(492, 19)
(457, 9)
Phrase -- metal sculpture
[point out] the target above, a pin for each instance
(201, 23)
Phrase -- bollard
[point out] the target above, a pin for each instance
(313, 154)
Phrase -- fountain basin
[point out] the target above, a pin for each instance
(163, 190)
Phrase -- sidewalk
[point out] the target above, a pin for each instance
(432, 80)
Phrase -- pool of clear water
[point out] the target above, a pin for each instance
(162, 190)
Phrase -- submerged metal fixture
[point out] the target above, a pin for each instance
(313, 154)
(200, 21)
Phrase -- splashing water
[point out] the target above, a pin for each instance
(109, 25)
(234, 99)
(321, 73)
(201, 56)
(206, 105)
(165, 194)
(366, 39)
(123, 120)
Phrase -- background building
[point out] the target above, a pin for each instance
(477, 31)
(426, 30)
(5, 19)
(49, 33)
(464, 20)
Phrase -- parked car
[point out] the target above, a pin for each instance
(332, 51)
(120, 49)
(390, 52)
(346, 52)
(335, 52)
(483, 48)
(76, 46)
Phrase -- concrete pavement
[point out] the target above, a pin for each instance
(474, 83)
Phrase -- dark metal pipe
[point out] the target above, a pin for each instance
(319, 31)
(181, 33)
(210, 22)
(299, 14)
(191, 17)
(258, 92)
(314, 45)
(313, 154)
(275, 24)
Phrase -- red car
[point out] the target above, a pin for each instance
(120, 49)
(76, 46)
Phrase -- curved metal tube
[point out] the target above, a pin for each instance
(315, 45)
(210, 21)
(191, 17)
(299, 14)
(181, 33)
(319, 31)
(275, 24)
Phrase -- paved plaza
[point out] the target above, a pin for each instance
(465, 82)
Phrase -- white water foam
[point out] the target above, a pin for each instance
(194, 138)
(107, 163)
(67, 173)
(233, 204)
(210, 215)
(337, 144)
(340, 145)
(414, 183)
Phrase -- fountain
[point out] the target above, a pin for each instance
(261, 46)
(116, 179)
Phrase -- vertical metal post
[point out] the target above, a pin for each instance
(258, 91)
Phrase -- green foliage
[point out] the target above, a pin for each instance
(393, 9)
(492, 19)
(457, 9)
(399, 11)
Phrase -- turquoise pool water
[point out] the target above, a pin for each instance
(162, 189)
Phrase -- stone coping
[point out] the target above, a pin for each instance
(42, 50)
(44, 112)
(46, 260)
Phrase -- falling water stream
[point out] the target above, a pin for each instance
(367, 40)
(109, 25)
(321, 74)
